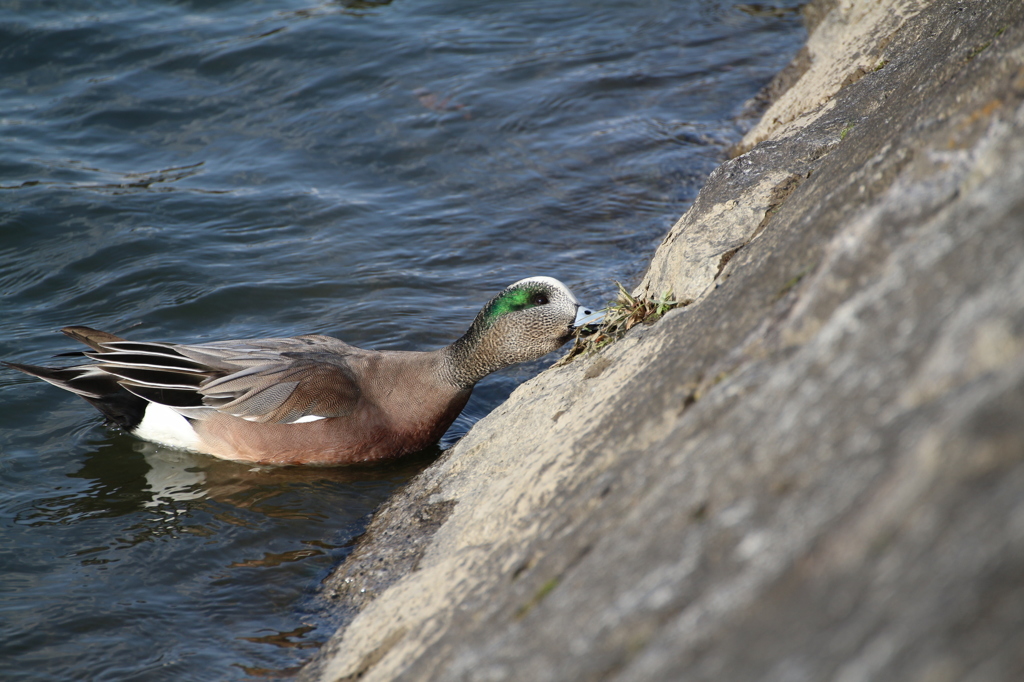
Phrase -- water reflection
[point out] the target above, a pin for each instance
(176, 475)
(127, 477)
(143, 536)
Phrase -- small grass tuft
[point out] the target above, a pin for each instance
(621, 315)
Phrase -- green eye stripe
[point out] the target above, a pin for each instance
(518, 299)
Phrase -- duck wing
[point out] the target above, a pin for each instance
(285, 380)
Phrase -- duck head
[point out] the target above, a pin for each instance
(526, 321)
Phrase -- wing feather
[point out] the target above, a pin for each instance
(283, 380)
(306, 386)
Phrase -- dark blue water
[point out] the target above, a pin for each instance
(191, 171)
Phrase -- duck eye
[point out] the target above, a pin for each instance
(539, 299)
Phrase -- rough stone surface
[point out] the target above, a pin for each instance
(813, 471)
(845, 45)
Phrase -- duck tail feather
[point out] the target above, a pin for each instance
(100, 389)
(93, 338)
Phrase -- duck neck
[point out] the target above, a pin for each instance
(471, 358)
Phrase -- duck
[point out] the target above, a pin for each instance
(310, 399)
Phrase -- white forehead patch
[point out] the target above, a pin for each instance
(550, 281)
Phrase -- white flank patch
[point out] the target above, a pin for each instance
(308, 418)
(163, 425)
(300, 420)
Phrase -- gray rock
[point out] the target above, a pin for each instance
(813, 471)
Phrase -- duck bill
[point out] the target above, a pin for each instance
(586, 316)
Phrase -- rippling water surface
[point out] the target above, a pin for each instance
(189, 171)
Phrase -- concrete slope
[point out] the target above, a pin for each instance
(815, 470)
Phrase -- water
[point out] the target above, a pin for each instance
(190, 171)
